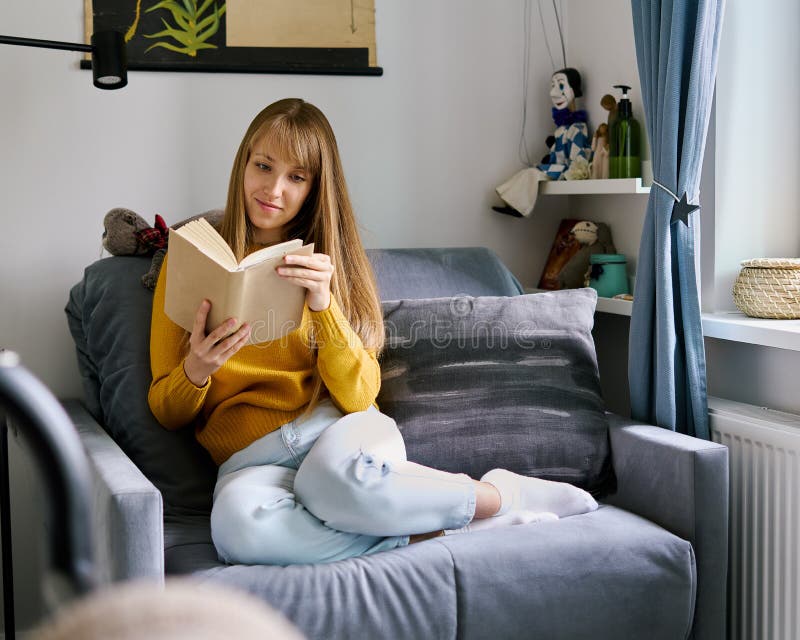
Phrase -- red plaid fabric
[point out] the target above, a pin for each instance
(156, 237)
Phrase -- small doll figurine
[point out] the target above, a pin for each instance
(571, 137)
(599, 170)
(569, 141)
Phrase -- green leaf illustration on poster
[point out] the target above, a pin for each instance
(193, 29)
(331, 37)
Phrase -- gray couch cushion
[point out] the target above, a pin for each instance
(478, 383)
(405, 594)
(109, 317)
(608, 570)
(435, 273)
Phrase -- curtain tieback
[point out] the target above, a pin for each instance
(681, 208)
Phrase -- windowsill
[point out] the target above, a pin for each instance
(735, 326)
(725, 325)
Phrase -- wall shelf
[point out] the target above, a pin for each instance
(593, 187)
(614, 305)
(604, 305)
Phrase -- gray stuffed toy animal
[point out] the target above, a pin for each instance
(120, 233)
(126, 233)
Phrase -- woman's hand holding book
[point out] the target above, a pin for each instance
(313, 272)
(208, 352)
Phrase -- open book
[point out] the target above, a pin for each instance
(201, 266)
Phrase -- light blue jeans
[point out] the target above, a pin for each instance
(330, 487)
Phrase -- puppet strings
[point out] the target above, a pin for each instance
(522, 149)
(544, 35)
(560, 35)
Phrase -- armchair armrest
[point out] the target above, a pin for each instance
(127, 513)
(681, 484)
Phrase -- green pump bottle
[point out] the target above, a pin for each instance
(624, 154)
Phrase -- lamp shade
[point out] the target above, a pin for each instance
(109, 62)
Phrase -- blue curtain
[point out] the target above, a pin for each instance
(676, 48)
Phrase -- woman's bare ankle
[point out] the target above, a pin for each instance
(487, 500)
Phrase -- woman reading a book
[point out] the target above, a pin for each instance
(309, 469)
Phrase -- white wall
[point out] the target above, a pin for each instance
(758, 134)
(423, 146)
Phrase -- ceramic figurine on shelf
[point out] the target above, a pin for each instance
(599, 166)
(569, 142)
(601, 142)
(609, 103)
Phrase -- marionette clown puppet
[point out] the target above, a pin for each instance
(570, 143)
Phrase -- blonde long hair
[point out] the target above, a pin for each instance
(301, 134)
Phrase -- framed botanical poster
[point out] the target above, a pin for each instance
(251, 36)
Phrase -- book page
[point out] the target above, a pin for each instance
(193, 276)
(209, 236)
(273, 306)
(267, 253)
(202, 235)
(214, 237)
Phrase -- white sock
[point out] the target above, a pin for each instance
(505, 520)
(521, 493)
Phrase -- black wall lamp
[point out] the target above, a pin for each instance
(109, 63)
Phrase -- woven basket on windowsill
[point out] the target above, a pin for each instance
(769, 288)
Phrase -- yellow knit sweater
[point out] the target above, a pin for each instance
(262, 386)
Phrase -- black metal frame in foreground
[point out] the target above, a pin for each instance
(27, 406)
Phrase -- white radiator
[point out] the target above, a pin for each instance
(764, 544)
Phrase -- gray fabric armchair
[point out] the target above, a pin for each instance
(651, 562)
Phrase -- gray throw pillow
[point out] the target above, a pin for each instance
(109, 317)
(512, 382)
